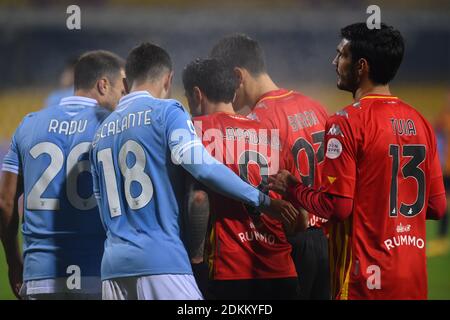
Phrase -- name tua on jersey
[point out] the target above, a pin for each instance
(403, 127)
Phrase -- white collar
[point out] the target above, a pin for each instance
(132, 96)
(78, 100)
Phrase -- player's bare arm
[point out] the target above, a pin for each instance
(197, 216)
(10, 191)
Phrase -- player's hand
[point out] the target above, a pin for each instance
(282, 181)
(15, 274)
(302, 220)
(300, 224)
(283, 211)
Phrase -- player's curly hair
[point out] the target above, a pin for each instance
(382, 48)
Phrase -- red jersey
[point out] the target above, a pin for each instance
(242, 245)
(381, 153)
(301, 124)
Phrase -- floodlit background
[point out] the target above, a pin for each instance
(299, 38)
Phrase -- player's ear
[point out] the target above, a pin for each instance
(197, 95)
(168, 81)
(239, 72)
(102, 86)
(363, 67)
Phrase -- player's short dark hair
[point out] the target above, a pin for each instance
(147, 62)
(382, 48)
(213, 77)
(240, 50)
(94, 65)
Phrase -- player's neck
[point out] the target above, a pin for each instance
(261, 85)
(153, 88)
(369, 89)
(86, 94)
(220, 107)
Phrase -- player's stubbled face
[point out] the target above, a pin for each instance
(345, 69)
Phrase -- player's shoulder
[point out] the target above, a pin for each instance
(203, 118)
(96, 116)
(345, 119)
(308, 104)
(351, 112)
(169, 110)
(93, 113)
(410, 109)
(36, 116)
(153, 101)
(415, 115)
(205, 122)
(221, 119)
(300, 101)
(161, 106)
(30, 122)
(369, 102)
(32, 115)
(270, 100)
(173, 103)
(287, 102)
(202, 121)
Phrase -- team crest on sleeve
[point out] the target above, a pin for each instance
(334, 148)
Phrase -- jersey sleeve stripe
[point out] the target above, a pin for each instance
(10, 168)
(179, 150)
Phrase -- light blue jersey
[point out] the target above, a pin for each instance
(141, 189)
(62, 227)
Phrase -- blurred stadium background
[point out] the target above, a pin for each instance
(299, 38)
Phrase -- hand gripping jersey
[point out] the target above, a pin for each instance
(241, 244)
(62, 227)
(381, 153)
(301, 125)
